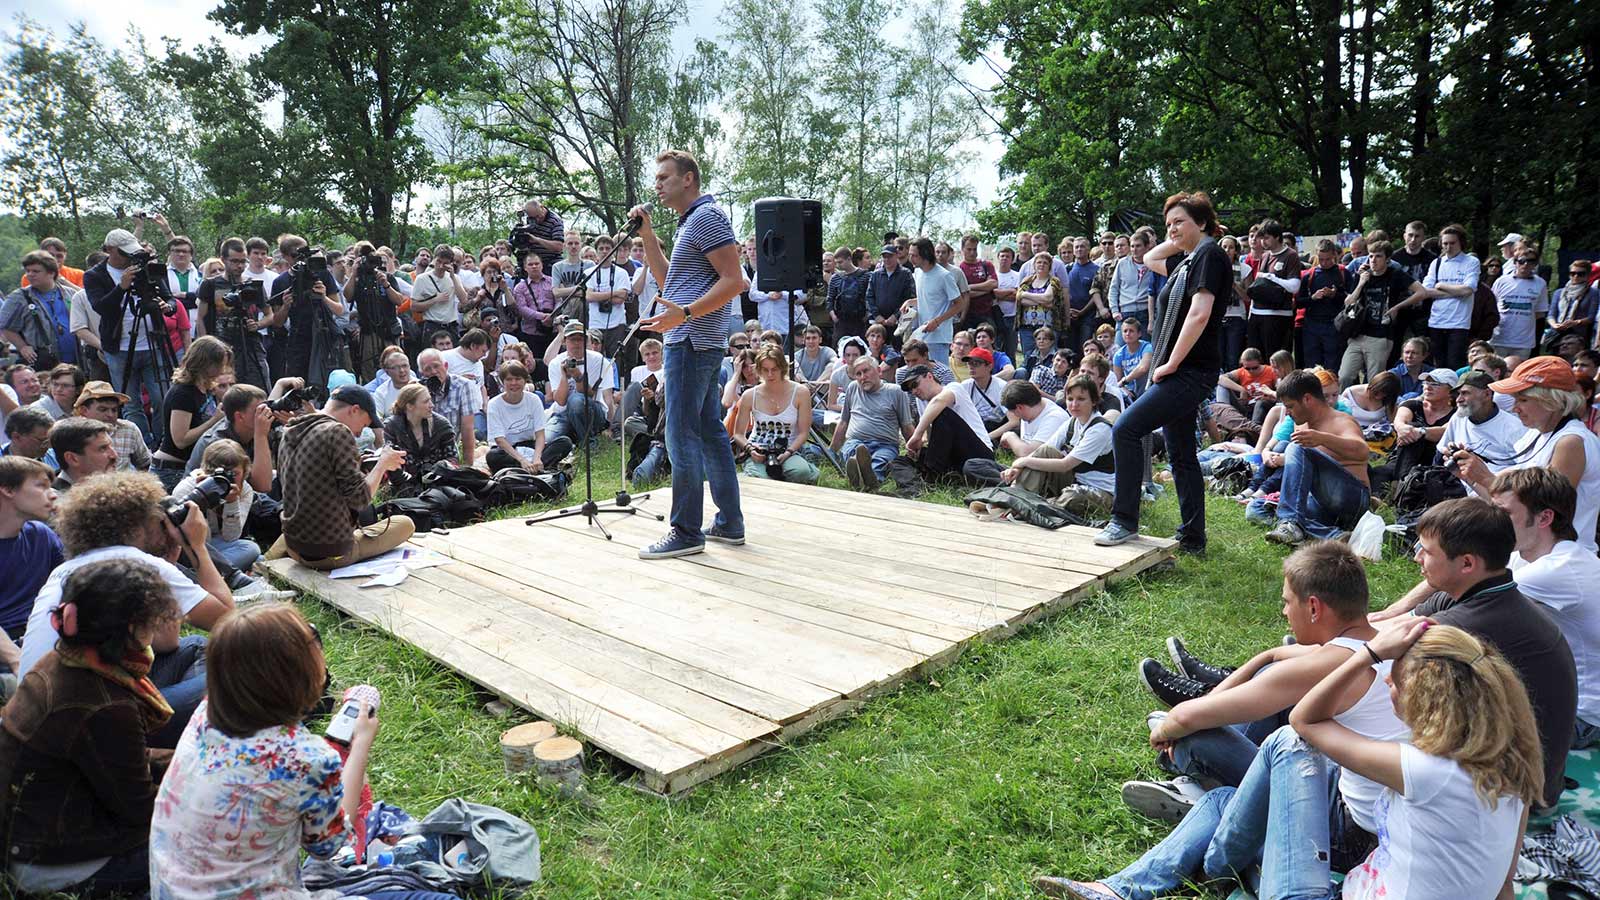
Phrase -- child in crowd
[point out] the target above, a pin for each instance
(1131, 361)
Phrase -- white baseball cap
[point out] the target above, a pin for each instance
(122, 239)
(1511, 238)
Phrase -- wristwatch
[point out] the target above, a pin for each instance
(687, 312)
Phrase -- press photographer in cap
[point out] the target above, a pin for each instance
(326, 498)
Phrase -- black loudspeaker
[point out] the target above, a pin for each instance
(788, 243)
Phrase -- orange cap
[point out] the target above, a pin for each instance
(1541, 371)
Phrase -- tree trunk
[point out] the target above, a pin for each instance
(1423, 91)
(1361, 123)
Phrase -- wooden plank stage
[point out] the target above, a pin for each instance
(687, 668)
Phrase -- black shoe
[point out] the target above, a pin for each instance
(1194, 668)
(1197, 551)
(1171, 689)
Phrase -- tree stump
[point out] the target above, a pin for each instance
(559, 762)
(516, 745)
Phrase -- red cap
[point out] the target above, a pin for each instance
(980, 354)
(1541, 371)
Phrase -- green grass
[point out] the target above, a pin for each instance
(1005, 765)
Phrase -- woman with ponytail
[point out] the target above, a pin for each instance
(1457, 792)
(77, 781)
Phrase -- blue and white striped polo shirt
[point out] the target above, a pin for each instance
(690, 275)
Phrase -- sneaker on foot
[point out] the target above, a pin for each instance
(723, 536)
(1166, 801)
(863, 461)
(1169, 687)
(1113, 535)
(1287, 532)
(676, 543)
(1190, 666)
(1051, 886)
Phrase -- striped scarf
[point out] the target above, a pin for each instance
(1167, 316)
(132, 672)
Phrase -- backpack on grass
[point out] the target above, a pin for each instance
(1423, 487)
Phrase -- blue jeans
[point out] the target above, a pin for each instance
(1169, 405)
(939, 353)
(241, 553)
(582, 417)
(181, 676)
(882, 452)
(1234, 331)
(647, 469)
(1318, 494)
(1323, 345)
(1221, 754)
(697, 443)
(144, 375)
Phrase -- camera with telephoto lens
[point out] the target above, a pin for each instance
(771, 449)
(242, 297)
(296, 399)
(208, 494)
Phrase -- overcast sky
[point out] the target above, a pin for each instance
(186, 20)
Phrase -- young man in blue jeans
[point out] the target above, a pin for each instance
(1325, 488)
(1295, 816)
(697, 285)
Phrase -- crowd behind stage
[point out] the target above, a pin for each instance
(163, 436)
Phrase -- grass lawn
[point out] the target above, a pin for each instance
(1006, 765)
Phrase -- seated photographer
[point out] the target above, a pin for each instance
(1325, 488)
(773, 422)
(76, 754)
(190, 391)
(125, 516)
(29, 552)
(1036, 417)
(1073, 464)
(226, 516)
(251, 786)
(99, 402)
(517, 427)
(578, 375)
(424, 436)
(948, 435)
(455, 398)
(82, 448)
(1481, 424)
(325, 496)
(873, 417)
(27, 433)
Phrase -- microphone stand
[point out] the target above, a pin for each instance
(623, 502)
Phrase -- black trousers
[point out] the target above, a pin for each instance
(1269, 334)
(1449, 346)
(1171, 405)
(555, 450)
(950, 444)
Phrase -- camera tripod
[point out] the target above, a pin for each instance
(590, 509)
(160, 350)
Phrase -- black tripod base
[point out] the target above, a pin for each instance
(592, 511)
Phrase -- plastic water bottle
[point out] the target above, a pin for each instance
(385, 859)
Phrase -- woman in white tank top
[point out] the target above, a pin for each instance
(774, 420)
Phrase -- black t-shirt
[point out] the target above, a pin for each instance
(1325, 309)
(1424, 449)
(212, 305)
(1416, 265)
(1210, 271)
(180, 398)
(1495, 611)
(301, 314)
(1381, 293)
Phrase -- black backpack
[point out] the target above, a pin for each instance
(436, 507)
(1232, 474)
(1423, 487)
(521, 486)
(469, 480)
(851, 303)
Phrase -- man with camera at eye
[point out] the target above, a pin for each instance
(307, 298)
(328, 521)
(375, 299)
(128, 301)
(539, 231)
(233, 308)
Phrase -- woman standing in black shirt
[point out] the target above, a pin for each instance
(1187, 360)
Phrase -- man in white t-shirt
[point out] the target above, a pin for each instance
(1006, 277)
(1554, 571)
(1451, 282)
(466, 360)
(1037, 418)
(517, 426)
(1481, 425)
(609, 287)
(118, 516)
(438, 295)
(1523, 302)
(576, 392)
(949, 434)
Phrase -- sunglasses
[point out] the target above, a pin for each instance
(1526, 262)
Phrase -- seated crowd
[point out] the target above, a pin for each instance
(147, 466)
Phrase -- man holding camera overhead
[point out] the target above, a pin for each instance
(124, 330)
(234, 310)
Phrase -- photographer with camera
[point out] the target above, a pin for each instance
(325, 496)
(375, 299)
(307, 298)
(578, 375)
(125, 516)
(134, 352)
(773, 422)
(540, 231)
(223, 494)
(233, 308)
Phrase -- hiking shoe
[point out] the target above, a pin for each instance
(1051, 886)
(1166, 801)
(676, 543)
(1287, 533)
(1113, 535)
(852, 473)
(863, 460)
(723, 536)
(1169, 687)
(1192, 667)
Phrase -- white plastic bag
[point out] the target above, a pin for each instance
(1367, 539)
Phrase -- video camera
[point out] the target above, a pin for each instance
(209, 494)
(368, 264)
(296, 399)
(244, 296)
(149, 282)
(522, 235)
(309, 260)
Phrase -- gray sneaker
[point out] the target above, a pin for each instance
(863, 460)
(723, 536)
(1166, 801)
(1287, 532)
(1113, 535)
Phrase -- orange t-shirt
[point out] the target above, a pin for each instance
(67, 273)
(1265, 375)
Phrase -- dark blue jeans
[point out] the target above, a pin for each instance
(1318, 494)
(181, 676)
(1323, 346)
(1170, 406)
(697, 444)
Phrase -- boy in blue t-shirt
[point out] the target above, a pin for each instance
(29, 550)
(1130, 365)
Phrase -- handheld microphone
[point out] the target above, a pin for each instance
(637, 222)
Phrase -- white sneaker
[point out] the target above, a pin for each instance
(1168, 801)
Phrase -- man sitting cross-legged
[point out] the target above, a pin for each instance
(517, 426)
(873, 417)
(1325, 489)
(1074, 463)
(1213, 729)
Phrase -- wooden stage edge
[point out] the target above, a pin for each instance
(687, 668)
